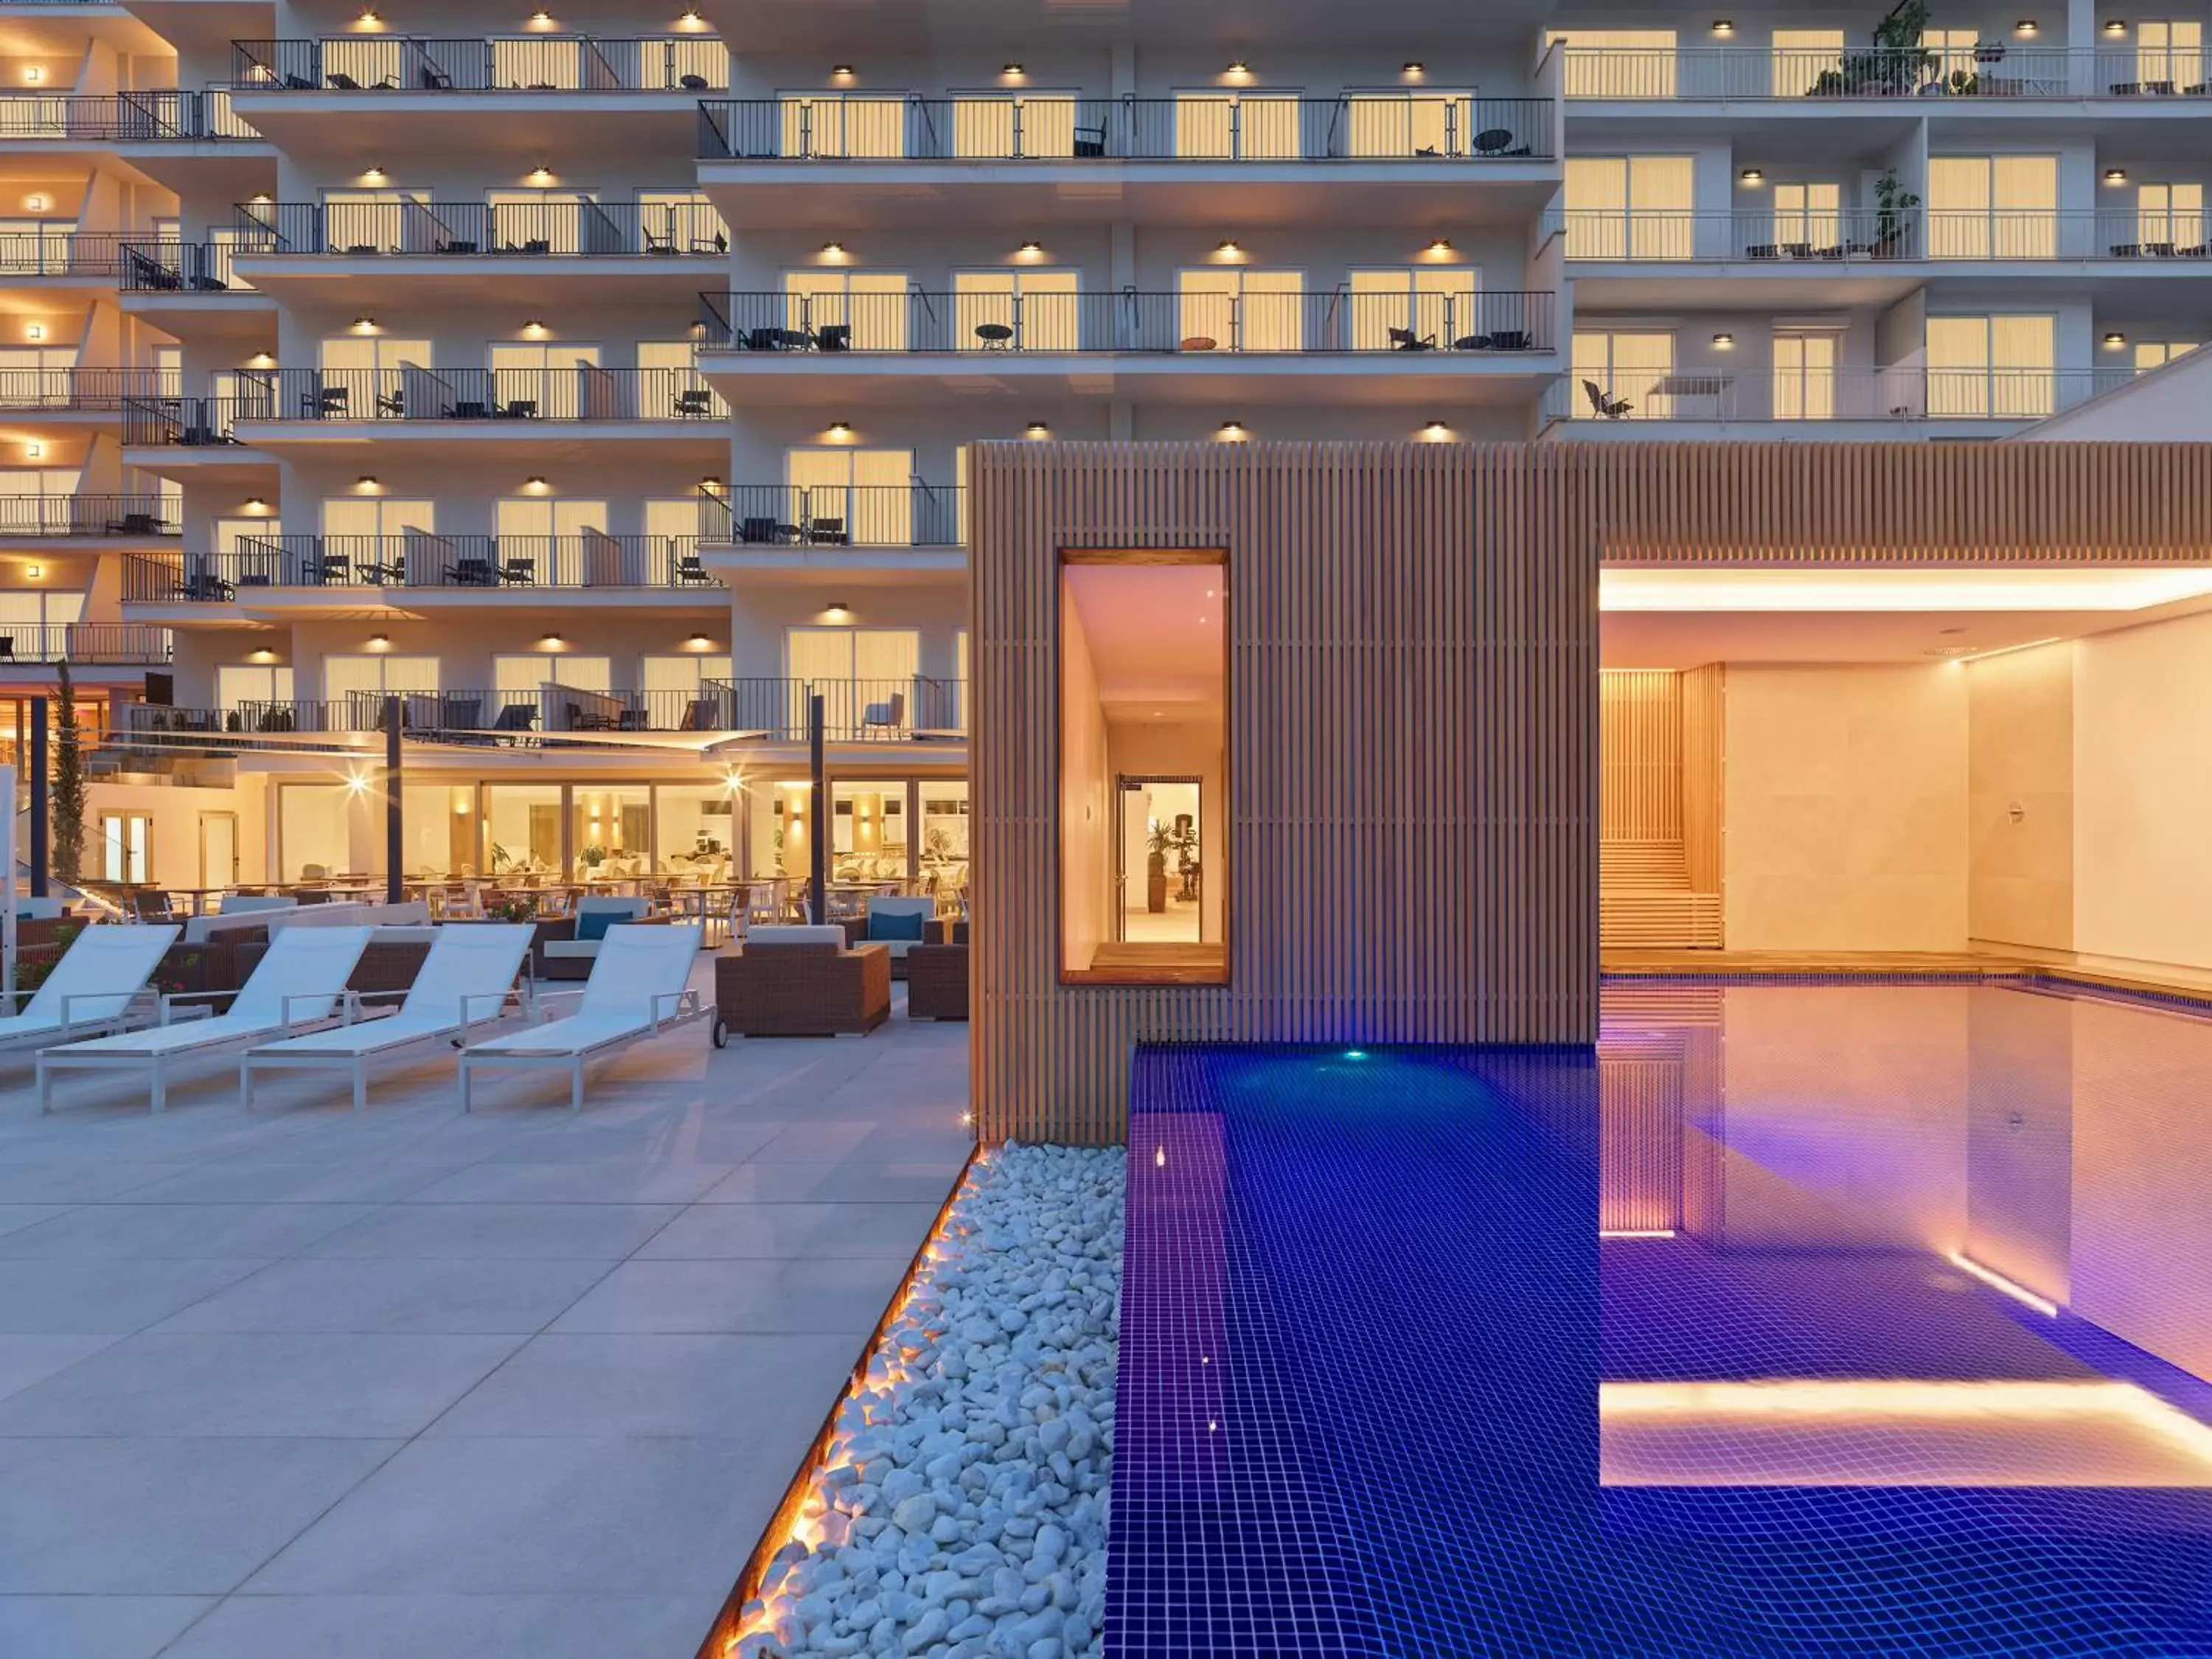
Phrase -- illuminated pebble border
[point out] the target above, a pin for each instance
(959, 1507)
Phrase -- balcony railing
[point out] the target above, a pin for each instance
(992, 323)
(1249, 127)
(1899, 392)
(118, 643)
(423, 559)
(413, 393)
(170, 117)
(187, 267)
(852, 710)
(188, 422)
(913, 514)
(97, 391)
(61, 252)
(551, 226)
(1859, 237)
(1992, 70)
(509, 63)
(22, 517)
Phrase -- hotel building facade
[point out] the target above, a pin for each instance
(603, 385)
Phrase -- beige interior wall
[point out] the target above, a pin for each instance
(2142, 816)
(176, 809)
(1186, 749)
(1846, 808)
(1087, 850)
(2020, 798)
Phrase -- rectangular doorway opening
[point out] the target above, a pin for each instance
(1161, 881)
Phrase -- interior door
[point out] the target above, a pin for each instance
(218, 849)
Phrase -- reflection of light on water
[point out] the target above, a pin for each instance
(1635, 1232)
(1997, 1281)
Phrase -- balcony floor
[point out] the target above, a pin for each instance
(533, 128)
(430, 279)
(693, 441)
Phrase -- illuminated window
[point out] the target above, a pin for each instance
(1805, 376)
(2170, 55)
(1802, 57)
(1434, 303)
(1630, 207)
(1000, 124)
(1992, 207)
(1808, 216)
(1616, 63)
(851, 497)
(1236, 126)
(1625, 366)
(2170, 216)
(1408, 124)
(1999, 367)
(1238, 309)
(2156, 353)
(1039, 307)
(836, 125)
(871, 306)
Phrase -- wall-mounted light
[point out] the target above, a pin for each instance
(460, 803)
(368, 19)
(838, 611)
(373, 175)
(1229, 250)
(367, 481)
(34, 330)
(1231, 431)
(33, 74)
(36, 571)
(1013, 72)
(260, 199)
(840, 71)
(1724, 343)
(261, 360)
(35, 450)
(833, 249)
(533, 329)
(1752, 176)
(1414, 72)
(535, 484)
(541, 175)
(34, 202)
(1238, 69)
(2115, 27)
(2026, 28)
(551, 642)
(1038, 429)
(2114, 342)
(701, 640)
(379, 642)
(841, 429)
(257, 504)
(364, 324)
(541, 20)
(1441, 246)
(1030, 250)
(2116, 175)
(261, 653)
(1723, 27)
(711, 484)
(1435, 431)
(690, 19)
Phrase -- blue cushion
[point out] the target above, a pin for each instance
(593, 924)
(886, 925)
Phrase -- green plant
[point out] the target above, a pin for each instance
(594, 856)
(65, 802)
(513, 910)
(1894, 202)
(1896, 65)
(501, 858)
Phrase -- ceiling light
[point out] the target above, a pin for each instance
(36, 571)
(375, 175)
(34, 330)
(368, 16)
(261, 360)
(1039, 430)
(1752, 176)
(2026, 28)
(1440, 245)
(1723, 27)
(542, 18)
(35, 450)
(840, 71)
(261, 653)
(2116, 175)
(367, 481)
(380, 639)
(1011, 69)
(1232, 430)
(2113, 342)
(1724, 342)
(533, 326)
(364, 324)
(257, 504)
(2115, 26)
(1032, 249)
(1414, 72)
(34, 204)
(535, 481)
(35, 75)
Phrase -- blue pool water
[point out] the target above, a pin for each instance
(1799, 1319)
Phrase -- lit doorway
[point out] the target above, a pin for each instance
(1161, 873)
(218, 849)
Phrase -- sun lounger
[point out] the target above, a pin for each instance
(465, 980)
(91, 988)
(300, 982)
(636, 991)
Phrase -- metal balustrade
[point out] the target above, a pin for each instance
(1856, 236)
(913, 515)
(891, 710)
(173, 116)
(64, 516)
(423, 559)
(191, 422)
(1993, 68)
(550, 225)
(415, 392)
(61, 252)
(987, 323)
(1906, 391)
(1199, 128)
(122, 644)
(181, 267)
(532, 62)
(96, 391)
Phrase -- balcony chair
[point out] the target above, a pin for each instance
(516, 718)
(1404, 339)
(835, 336)
(203, 584)
(519, 573)
(577, 717)
(330, 570)
(1472, 342)
(326, 401)
(299, 83)
(887, 718)
(458, 244)
(1090, 142)
(1612, 409)
(758, 532)
(7, 647)
(343, 83)
(697, 404)
(718, 243)
(468, 409)
(763, 339)
(827, 532)
(472, 573)
(134, 523)
(435, 79)
(702, 715)
(518, 409)
(1495, 143)
(689, 572)
(1509, 339)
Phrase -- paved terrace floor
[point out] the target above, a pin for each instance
(416, 1383)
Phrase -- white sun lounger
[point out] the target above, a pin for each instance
(637, 990)
(465, 980)
(91, 988)
(298, 983)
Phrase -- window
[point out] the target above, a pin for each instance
(1808, 216)
(521, 677)
(1426, 122)
(1236, 126)
(680, 222)
(543, 221)
(670, 386)
(1805, 376)
(364, 376)
(35, 623)
(994, 125)
(869, 306)
(681, 673)
(861, 672)
(376, 674)
(1238, 310)
(944, 859)
(366, 536)
(541, 63)
(694, 831)
(852, 497)
(1802, 57)
(2155, 354)
(674, 528)
(868, 831)
(549, 541)
(2170, 216)
(834, 125)
(1952, 51)
(1624, 367)
(237, 685)
(361, 222)
(1630, 207)
(126, 848)
(2170, 55)
(1430, 302)
(1992, 207)
(558, 380)
(1998, 367)
(30, 375)
(607, 827)
(1616, 63)
(1039, 307)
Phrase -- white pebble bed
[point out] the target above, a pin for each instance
(961, 1512)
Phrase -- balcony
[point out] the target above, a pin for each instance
(65, 391)
(85, 518)
(772, 535)
(351, 252)
(1903, 400)
(173, 117)
(1993, 75)
(177, 267)
(1193, 346)
(95, 255)
(830, 163)
(420, 569)
(516, 96)
(121, 645)
(190, 290)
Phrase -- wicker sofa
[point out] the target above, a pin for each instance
(936, 982)
(803, 982)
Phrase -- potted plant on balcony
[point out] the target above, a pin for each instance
(1893, 201)
(1896, 66)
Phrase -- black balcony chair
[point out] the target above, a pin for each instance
(343, 83)
(514, 720)
(1509, 339)
(1495, 144)
(299, 83)
(580, 718)
(689, 572)
(207, 586)
(472, 573)
(717, 244)
(326, 403)
(468, 409)
(1612, 408)
(695, 404)
(459, 713)
(330, 570)
(135, 524)
(143, 271)
(702, 715)
(435, 79)
(827, 532)
(835, 336)
(1090, 142)
(7, 647)
(1404, 339)
(458, 245)
(1472, 342)
(151, 904)
(519, 408)
(693, 83)
(519, 573)
(759, 533)
(393, 403)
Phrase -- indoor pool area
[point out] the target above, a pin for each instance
(1804, 1318)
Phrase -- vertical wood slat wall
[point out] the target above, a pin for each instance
(1703, 781)
(1413, 715)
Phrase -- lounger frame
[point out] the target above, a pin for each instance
(689, 1007)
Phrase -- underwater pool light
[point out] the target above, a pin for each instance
(1355, 1054)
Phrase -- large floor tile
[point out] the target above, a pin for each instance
(739, 1295)
(94, 1626)
(617, 1179)
(136, 1230)
(498, 1232)
(768, 1391)
(824, 1231)
(76, 1181)
(149, 1516)
(25, 1360)
(452, 1298)
(238, 1181)
(304, 1385)
(541, 1517)
(60, 1298)
(917, 1181)
(16, 1216)
(450, 1627)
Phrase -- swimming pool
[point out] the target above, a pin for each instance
(1802, 1319)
